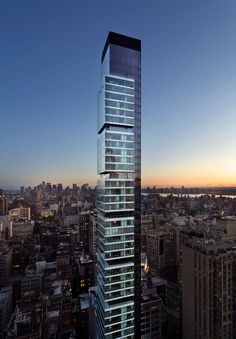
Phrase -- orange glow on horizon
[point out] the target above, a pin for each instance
(204, 174)
(186, 185)
(158, 181)
(188, 181)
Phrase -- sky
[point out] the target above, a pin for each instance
(50, 58)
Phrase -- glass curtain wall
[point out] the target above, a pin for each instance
(118, 189)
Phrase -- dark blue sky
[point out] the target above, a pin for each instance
(49, 77)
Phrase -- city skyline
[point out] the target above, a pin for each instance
(188, 76)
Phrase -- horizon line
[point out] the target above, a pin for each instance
(150, 186)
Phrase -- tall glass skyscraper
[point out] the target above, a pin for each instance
(119, 189)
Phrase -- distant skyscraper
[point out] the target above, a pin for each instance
(3, 205)
(119, 189)
(22, 190)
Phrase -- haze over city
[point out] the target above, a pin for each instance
(50, 75)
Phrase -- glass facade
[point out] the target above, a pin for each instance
(118, 189)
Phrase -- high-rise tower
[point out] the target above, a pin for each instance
(119, 189)
(208, 274)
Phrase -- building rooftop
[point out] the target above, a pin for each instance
(57, 287)
(52, 314)
(121, 40)
(84, 301)
(23, 317)
(211, 246)
(4, 293)
(85, 259)
(150, 297)
(229, 217)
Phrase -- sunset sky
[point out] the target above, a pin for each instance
(49, 77)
